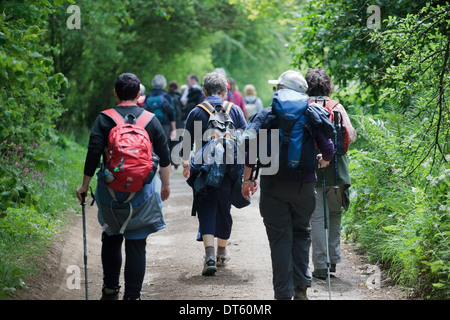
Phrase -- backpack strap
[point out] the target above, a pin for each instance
(144, 118)
(205, 105)
(114, 115)
(113, 195)
(334, 103)
(227, 106)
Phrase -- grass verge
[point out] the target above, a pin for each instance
(26, 230)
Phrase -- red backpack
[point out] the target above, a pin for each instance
(129, 152)
(342, 137)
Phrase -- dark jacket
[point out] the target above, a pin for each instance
(168, 106)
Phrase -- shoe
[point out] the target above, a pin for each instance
(333, 267)
(209, 267)
(222, 259)
(124, 298)
(110, 294)
(300, 293)
(321, 274)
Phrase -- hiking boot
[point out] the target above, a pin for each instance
(333, 267)
(110, 294)
(222, 259)
(209, 267)
(125, 298)
(321, 274)
(300, 293)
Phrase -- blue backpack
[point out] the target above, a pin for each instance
(297, 123)
(296, 137)
(154, 104)
(160, 105)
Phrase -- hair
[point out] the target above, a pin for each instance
(249, 90)
(214, 83)
(221, 71)
(127, 86)
(194, 77)
(173, 85)
(319, 83)
(159, 81)
(232, 84)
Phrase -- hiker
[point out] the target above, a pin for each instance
(115, 207)
(229, 95)
(213, 204)
(337, 179)
(192, 96)
(253, 103)
(159, 102)
(141, 100)
(236, 95)
(287, 195)
(178, 106)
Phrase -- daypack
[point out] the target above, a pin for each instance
(296, 137)
(219, 123)
(251, 108)
(342, 139)
(129, 156)
(154, 104)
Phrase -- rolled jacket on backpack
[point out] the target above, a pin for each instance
(206, 172)
(146, 205)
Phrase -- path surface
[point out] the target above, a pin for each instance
(174, 262)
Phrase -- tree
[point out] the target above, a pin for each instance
(395, 81)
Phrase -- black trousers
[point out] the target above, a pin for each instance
(286, 208)
(135, 263)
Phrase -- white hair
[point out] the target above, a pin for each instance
(159, 81)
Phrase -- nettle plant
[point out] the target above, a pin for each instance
(22, 174)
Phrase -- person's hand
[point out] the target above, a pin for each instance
(322, 163)
(165, 193)
(173, 135)
(82, 190)
(249, 188)
(186, 169)
(186, 172)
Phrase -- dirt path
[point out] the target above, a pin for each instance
(174, 262)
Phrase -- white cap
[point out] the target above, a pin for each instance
(292, 80)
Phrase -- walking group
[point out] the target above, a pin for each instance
(132, 145)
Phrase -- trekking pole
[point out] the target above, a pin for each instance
(326, 232)
(337, 126)
(83, 204)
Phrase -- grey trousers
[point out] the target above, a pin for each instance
(286, 209)
(334, 204)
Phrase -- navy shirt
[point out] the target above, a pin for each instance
(198, 114)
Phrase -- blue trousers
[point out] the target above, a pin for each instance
(213, 210)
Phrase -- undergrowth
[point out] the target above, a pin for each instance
(38, 196)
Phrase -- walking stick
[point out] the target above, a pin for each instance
(338, 127)
(326, 232)
(83, 204)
